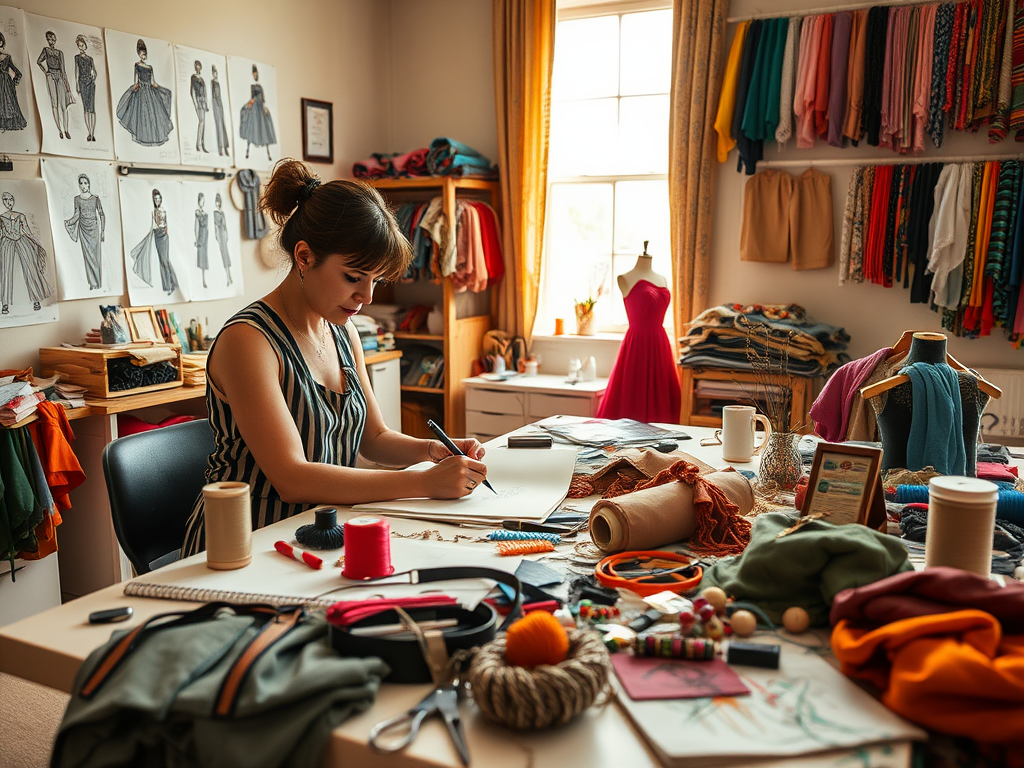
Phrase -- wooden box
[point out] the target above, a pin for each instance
(87, 367)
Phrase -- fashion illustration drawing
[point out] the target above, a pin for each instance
(156, 239)
(256, 125)
(11, 117)
(218, 112)
(145, 108)
(51, 61)
(220, 231)
(202, 233)
(17, 244)
(87, 227)
(198, 90)
(85, 84)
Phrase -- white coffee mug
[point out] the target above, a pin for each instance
(739, 424)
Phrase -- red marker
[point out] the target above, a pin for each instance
(297, 554)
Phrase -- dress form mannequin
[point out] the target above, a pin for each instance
(894, 407)
(641, 271)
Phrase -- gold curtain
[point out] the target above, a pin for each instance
(698, 31)
(524, 46)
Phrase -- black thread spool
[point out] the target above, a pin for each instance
(325, 533)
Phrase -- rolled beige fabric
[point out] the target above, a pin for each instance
(664, 514)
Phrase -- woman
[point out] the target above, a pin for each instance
(202, 234)
(220, 231)
(51, 62)
(145, 108)
(218, 112)
(289, 398)
(87, 227)
(85, 79)
(256, 125)
(142, 254)
(17, 244)
(11, 117)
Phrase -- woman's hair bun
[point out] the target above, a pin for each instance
(286, 184)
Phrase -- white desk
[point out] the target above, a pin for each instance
(496, 407)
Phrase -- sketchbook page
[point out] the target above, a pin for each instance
(214, 235)
(205, 126)
(28, 285)
(272, 574)
(253, 89)
(85, 218)
(69, 79)
(805, 707)
(529, 484)
(19, 128)
(157, 234)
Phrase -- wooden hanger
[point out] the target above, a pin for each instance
(900, 349)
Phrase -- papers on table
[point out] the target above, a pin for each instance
(530, 484)
(598, 433)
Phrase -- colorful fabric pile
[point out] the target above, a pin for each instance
(444, 157)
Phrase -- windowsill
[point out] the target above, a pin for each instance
(608, 338)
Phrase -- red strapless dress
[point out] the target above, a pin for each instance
(644, 384)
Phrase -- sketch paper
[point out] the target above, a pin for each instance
(142, 89)
(69, 79)
(157, 235)
(85, 219)
(215, 270)
(28, 291)
(205, 125)
(19, 128)
(804, 707)
(529, 485)
(253, 89)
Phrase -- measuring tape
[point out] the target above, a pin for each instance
(649, 572)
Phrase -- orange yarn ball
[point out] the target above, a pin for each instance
(537, 638)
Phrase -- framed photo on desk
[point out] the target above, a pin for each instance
(142, 324)
(845, 485)
(317, 131)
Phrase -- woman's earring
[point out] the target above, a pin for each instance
(302, 280)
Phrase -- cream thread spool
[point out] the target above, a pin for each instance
(961, 517)
(228, 518)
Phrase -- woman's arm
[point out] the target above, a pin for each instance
(246, 369)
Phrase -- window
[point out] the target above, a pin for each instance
(608, 162)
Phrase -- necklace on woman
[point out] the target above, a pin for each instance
(318, 340)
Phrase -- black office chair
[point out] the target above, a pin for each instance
(153, 479)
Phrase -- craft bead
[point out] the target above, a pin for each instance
(699, 602)
(706, 612)
(743, 623)
(796, 620)
(716, 597)
(714, 629)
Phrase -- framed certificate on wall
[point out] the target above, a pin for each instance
(844, 483)
(317, 131)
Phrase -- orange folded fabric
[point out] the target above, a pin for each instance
(953, 672)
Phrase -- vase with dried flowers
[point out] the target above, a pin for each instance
(585, 314)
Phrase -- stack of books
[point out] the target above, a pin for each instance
(423, 368)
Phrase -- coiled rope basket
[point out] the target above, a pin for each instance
(545, 695)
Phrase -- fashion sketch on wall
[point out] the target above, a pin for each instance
(85, 218)
(158, 244)
(253, 88)
(142, 85)
(204, 122)
(215, 271)
(19, 131)
(28, 288)
(69, 70)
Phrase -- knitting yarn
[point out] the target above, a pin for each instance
(325, 533)
(1010, 505)
(537, 638)
(546, 695)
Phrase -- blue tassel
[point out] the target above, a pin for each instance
(554, 538)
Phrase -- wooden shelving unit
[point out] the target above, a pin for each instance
(698, 411)
(465, 323)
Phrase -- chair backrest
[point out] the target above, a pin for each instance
(153, 480)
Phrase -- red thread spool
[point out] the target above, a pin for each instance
(367, 548)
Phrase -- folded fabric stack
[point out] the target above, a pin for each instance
(721, 337)
(193, 369)
(18, 399)
(392, 165)
(448, 157)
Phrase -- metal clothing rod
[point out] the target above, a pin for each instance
(884, 161)
(127, 170)
(812, 11)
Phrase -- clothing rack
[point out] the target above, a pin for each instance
(890, 160)
(815, 11)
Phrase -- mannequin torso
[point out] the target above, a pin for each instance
(641, 271)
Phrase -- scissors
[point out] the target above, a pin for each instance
(444, 701)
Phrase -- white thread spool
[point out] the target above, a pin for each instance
(961, 516)
(228, 517)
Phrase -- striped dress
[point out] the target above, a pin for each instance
(330, 423)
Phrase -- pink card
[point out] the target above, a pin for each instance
(652, 678)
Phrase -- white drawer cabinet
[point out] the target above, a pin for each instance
(385, 378)
(496, 407)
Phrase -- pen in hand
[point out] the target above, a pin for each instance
(447, 442)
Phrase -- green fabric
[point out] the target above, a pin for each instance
(17, 501)
(151, 712)
(808, 567)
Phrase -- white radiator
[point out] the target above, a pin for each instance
(1003, 421)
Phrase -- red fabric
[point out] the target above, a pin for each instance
(822, 80)
(347, 612)
(493, 256)
(873, 271)
(991, 470)
(131, 425)
(644, 384)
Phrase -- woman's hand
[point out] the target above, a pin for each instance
(468, 445)
(454, 477)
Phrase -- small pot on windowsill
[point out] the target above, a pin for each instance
(584, 321)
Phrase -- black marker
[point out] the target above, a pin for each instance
(450, 445)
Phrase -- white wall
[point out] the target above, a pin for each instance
(873, 316)
(329, 50)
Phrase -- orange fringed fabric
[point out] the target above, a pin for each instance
(529, 547)
(950, 672)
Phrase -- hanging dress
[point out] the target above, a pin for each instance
(256, 125)
(644, 384)
(330, 424)
(11, 117)
(145, 111)
(84, 227)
